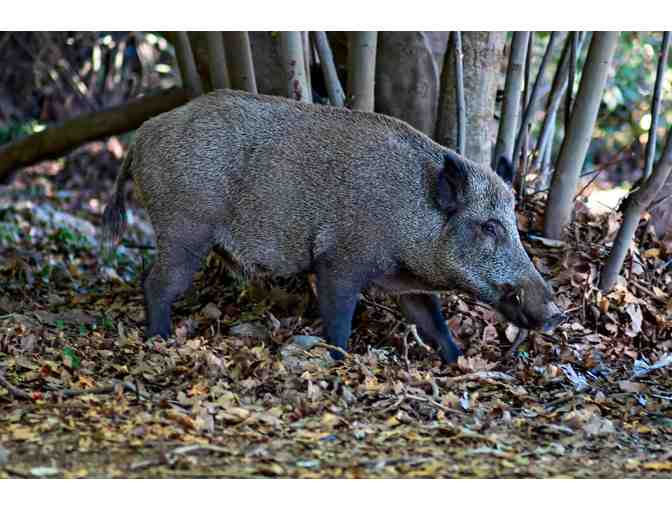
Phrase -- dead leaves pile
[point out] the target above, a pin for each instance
(246, 389)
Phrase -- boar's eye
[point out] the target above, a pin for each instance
(490, 228)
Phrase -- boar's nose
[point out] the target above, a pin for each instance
(557, 317)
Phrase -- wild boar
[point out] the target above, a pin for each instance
(357, 198)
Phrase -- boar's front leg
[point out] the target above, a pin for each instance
(338, 292)
(424, 310)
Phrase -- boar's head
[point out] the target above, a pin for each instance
(479, 249)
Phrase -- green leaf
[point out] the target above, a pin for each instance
(70, 359)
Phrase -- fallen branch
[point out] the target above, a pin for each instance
(56, 141)
(171, 457)
(479, 376)
(111, 388)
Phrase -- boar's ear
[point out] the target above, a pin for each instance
(452, 183)
(505, 170)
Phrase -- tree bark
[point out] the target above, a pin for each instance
(545, 163)
(239, 59)
(219, 75)
(187, 65)
(513, 89)
(558, 87)
(578, 137)
(456, 38)
(56, 141)
(660, 79)
(407, 78)
(481, 58)
(533, 99)
(362, 70)
(292, 54)
(573, 52)
(636, 204)
(334, 88)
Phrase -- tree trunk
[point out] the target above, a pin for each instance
(660, 79)
(362, 69)
(577, 138)
(456, 38)
(239, 59)
(187, 65)
(636, 204)
(573, 52)
(407, 78)
(533, 99)
(334, 88)
(219, 75)
(292, 54)
(558, 87)
(56, 141)
(513, 89)
(307, 60)
(481, 58)
(545, 163)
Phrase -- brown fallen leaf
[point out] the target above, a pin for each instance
(632, 387)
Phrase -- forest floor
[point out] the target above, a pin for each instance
(246, 388)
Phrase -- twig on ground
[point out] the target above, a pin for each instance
(646, 291)
(111, 388)
(379, 306)
(478, 376)
(171, 457)
(435, 404)
(405, 342)
(435, 390)
(332, 348)
(414, 331)
(13, 390)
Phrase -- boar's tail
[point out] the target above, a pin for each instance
(114, 216)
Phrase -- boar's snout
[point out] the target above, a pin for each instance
(530, 305)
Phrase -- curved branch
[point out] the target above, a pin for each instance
(56, 141)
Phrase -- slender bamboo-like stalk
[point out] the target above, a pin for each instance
(660, 79)
(292, 54)
(362, 69)
(578, 136)
(520, 160)
(574, 40)
(187, 65)
(307, 56)
(545, 166)
(533, 99)
(334, 88)
(219, 74)
(239, 60)
(512, 93)
(636, 204)
(459, 93)
(558, 87)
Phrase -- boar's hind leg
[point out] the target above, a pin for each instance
(424, 310)
(171, 275)
(338, 293)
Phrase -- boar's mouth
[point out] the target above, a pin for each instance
(540, 315)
